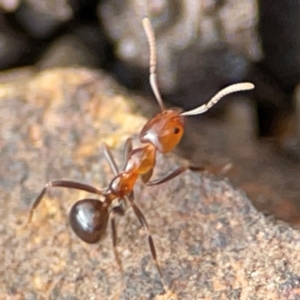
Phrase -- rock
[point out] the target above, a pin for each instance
(211, 242)
(40, 19)
(277, 75)
(9, 5)
(69, 50)
(13, 47)
(187, 28)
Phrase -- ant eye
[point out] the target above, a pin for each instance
(176, 130)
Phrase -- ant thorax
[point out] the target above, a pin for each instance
(140, 162)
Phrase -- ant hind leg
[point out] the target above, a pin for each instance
(61, 183)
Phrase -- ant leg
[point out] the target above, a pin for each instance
(110, 159)
(113, 213)
(62, 183)
(173, 174)
(127, 150)
(147, 176)
(114, 239)
(144, 224)
(197, 168)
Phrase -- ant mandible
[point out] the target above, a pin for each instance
(89, 217)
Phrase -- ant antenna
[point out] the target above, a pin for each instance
(153, 76)
(244, 86)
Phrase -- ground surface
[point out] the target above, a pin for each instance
(211, 242)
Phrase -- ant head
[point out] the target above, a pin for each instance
(244, 86)
(164, 131)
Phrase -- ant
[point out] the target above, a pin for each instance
(89, 217)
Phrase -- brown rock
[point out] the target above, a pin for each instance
(211, 242)
(194, 29)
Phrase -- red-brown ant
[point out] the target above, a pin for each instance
(89, 217)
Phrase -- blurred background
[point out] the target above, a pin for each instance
(202, 47)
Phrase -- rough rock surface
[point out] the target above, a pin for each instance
(195, 28)
(211, 242)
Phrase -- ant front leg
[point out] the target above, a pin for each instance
(111, 161)
(127, 150)
(65, 184)
(110, 158)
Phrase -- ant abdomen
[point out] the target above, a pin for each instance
(88, 219)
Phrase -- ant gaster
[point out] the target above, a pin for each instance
(89, 217)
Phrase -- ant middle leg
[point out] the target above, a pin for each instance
(174, 174)
(137, 211)
(145, 225)
(65, 184)
(115, 239)
(117, 210)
